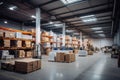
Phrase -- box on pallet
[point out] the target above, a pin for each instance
(27, 65)
(60, 57)
(69, 58)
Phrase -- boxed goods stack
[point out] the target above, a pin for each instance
(15, 43)
(9, 34)
(28, 43)
(60, 57)
(20, 53)
(28, 54)
(1, 33)
(6, 43)
(90, 52)
(27, 65)
(69, 58)
(7, 66)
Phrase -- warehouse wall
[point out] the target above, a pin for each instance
(102, 42)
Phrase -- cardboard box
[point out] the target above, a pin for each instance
(69, 58)
(67, 37)
(28, 54)
(21, 54)
(90, 52)
(27, 65)
(45, 39)
(27, 43)
(9, 34)
(45, 34)
(6, 43)
(60, 57)
(1, 33)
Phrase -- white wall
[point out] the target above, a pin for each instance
(102, 42)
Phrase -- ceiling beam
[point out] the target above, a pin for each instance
(49, 2)
(83, 9)
(96, 17)
(78, 2)
(87, 13)
(97, 21)
(109, 22)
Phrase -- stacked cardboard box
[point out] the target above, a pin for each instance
(8, 66)
(45, 34)
(9, 34)
(28, 54)
(27, 65)
(1, 33)
(45, 39)
(60, 57)
(67, 37)
(19, 43)
(28, 43)
(20, 53)
(69, 58)
(6, 43)
(90, 52)
(75, 51)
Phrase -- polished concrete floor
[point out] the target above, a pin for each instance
(96, 67)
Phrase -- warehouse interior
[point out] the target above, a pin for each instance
(59, 40)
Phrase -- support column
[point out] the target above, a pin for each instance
(63, 32)
(38, 30)
(81, 39)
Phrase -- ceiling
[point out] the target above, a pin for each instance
(58, 12)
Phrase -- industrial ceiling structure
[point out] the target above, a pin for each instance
(92, 17)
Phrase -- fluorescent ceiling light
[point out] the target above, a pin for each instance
(70, 31)
(33, 16)
(50, 22)
(5, 22)
(69, 1)
(76, 33)
(88, 16)
(97, 28)
(102, 35)
(12, 8)
(58, 25)
(90, 20)
(98, 31)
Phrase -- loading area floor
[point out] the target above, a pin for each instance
(96, 67)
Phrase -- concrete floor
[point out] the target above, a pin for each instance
(96, 67)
